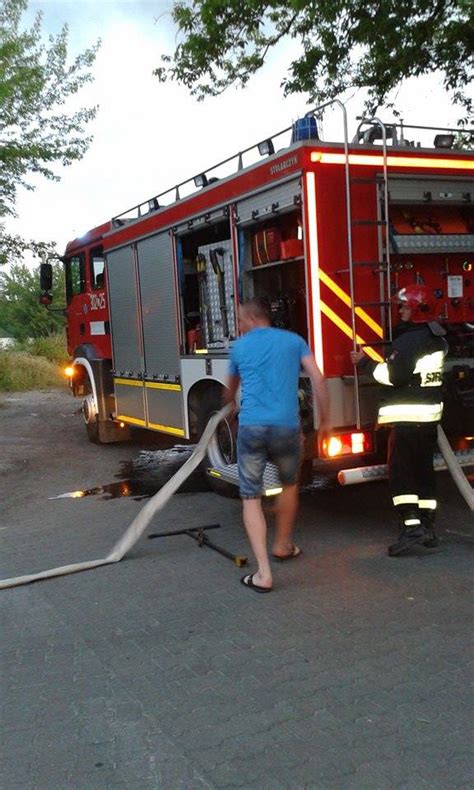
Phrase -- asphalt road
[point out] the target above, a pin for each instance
(164, 672)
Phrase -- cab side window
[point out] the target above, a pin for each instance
(75, 276)
(97, 264)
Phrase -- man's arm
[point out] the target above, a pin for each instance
(230, 390)
(319, 389)
(396, 371)
(232, 385)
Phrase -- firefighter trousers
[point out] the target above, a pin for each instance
(411, 449)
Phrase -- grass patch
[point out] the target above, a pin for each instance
(21, 371)
(52, 347)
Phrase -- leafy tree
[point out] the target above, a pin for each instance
(22, 315)
(36, 130)
(13, 248)
(345, 44)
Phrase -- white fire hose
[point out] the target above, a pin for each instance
(141, 521)
(455, 468)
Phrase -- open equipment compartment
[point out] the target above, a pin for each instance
(273, 267)
(206, 283)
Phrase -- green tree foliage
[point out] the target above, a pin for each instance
(37, 131)
(345, 44)
(22, 316)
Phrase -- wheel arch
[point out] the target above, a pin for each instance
(196, 393)
(87, 367)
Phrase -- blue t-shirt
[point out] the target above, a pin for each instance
(268, 361)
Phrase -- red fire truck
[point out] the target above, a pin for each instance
(326, 232)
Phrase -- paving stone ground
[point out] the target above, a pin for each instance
(163, 672)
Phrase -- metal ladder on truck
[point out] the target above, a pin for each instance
(381, 265)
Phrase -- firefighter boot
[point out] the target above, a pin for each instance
(411, 535)
(427, 520)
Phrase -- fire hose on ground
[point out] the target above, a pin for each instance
(140, 522)
(159, 500)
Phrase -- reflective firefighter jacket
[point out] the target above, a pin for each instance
(412, 375)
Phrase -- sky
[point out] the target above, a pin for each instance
(149, 136)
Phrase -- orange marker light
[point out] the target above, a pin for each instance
(334, 446)
(353, 443)
(69, 371)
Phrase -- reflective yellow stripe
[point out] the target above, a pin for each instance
(166, 429)
(348, 331)
(393, 161)
(161, 385)
(344, 297)
(213, 473)
(380, 374)
(405, 499)
(132, 420)
(427, 504)
(410, 412)
(129, 382)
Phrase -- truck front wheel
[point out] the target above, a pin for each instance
(89, 412)
(101, 431)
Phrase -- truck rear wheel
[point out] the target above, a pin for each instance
(222, 449)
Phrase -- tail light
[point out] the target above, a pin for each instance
(353, 443)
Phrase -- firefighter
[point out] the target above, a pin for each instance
(412, 405)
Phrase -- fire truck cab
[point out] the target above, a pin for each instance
(326, 233)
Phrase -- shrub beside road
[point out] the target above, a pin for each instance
(33, 364)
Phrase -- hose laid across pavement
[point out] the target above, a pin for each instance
(455, 468)
(141, 521)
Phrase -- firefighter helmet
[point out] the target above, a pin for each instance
(420, 301)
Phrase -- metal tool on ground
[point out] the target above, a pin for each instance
(141, 521)
(199, 535)
(220, 275)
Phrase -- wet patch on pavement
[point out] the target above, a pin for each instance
(144, 475)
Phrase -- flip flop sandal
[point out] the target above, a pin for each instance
(247, 581)
(296, 552)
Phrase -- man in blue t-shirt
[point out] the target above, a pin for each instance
(266, 363)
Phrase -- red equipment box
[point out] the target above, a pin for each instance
(291, 248)
(432, 220)
(266, 246)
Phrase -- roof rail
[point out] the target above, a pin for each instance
(395, 132)
(201, 179)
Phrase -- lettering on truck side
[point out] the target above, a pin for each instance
(97, 301)
(292, 160)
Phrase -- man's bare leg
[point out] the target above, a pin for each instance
(286, 511)
(256, 527)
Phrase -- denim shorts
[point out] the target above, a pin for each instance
(257, 444)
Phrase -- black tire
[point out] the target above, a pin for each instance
(223, 447)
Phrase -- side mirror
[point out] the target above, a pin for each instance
(46, 283)
(45, 298)
(46, 277)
